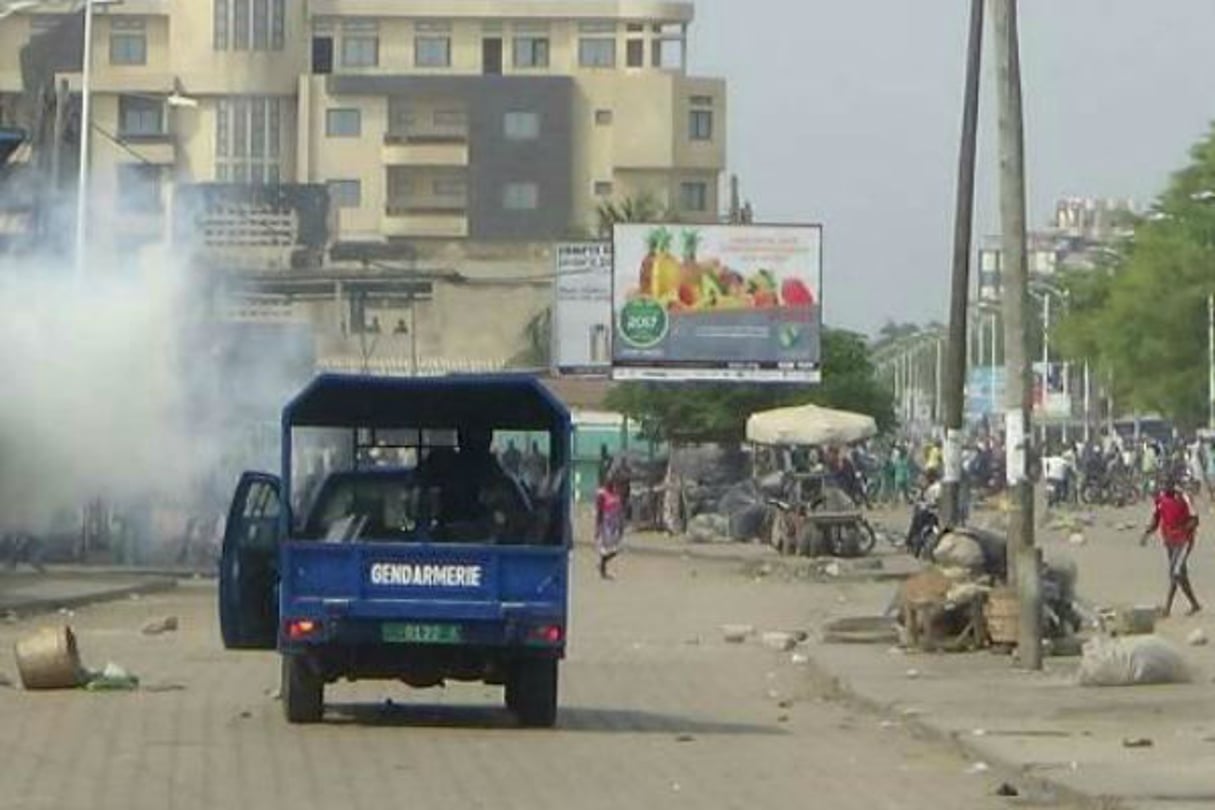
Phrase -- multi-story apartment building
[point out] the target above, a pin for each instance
(483, 120)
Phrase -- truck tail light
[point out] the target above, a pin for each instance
(548, 634)
(302, 628)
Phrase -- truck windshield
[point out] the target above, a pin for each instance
(504, 492)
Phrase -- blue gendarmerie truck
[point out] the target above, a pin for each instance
(396, 544)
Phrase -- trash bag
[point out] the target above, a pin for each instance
(955, 550)
(1132, 661)
(708, 528)
(749, 523)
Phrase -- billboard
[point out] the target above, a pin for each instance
(985, 392)
(717, 302)
(582, 311)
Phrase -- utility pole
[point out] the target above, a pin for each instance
(1018, 399)
(959, 290)
(61, 100)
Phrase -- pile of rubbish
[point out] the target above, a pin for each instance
(963, 602)
(50, 659)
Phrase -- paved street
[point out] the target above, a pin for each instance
(657, 712)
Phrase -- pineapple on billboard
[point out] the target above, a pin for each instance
(717, 302)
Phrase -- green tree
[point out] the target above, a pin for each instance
(713, 411)
(1141, 314)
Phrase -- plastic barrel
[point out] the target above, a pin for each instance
(49, 659)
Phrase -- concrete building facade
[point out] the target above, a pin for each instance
(480, 120)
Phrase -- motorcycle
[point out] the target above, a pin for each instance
(925, 530)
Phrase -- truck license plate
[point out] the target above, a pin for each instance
(420, 633)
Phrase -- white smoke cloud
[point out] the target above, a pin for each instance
(94, 385)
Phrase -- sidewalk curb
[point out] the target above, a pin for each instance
(36, 606)
(840, 688)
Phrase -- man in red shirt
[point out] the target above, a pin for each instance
(1174, 518)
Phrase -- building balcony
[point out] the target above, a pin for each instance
(420, 221)
(425, 150)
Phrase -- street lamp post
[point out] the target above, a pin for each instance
(82, 183)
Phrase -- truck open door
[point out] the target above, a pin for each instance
(248, 574)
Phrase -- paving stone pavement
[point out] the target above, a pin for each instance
(657, 711)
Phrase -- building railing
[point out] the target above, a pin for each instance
(408, 209)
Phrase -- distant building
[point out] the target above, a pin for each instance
(1081, 230)
(484, 120)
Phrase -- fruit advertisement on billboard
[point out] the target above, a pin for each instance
(717, 302)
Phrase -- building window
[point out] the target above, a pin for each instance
(360, 44)
(668, 54)
(694, 196)
(701, 101)
(521, 197)
(450, 119)
(448, 187)
(635, 53)
(603, 188)
(432, 52)
(140, 116)
(345, 122)
(700, 125)
(139, 188)
(248, 139)
(603, 118)
(128, 42)
(597, 52)
(248, 25)
(531, 52)
(345, 193)
(521, 126)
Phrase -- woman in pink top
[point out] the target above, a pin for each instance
(609, 524)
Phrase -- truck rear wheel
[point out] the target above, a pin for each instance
(531, 692)
(303, 691)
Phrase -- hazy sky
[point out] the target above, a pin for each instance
(847, 112)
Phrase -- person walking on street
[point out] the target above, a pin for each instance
(1175, 520)
(609, 525)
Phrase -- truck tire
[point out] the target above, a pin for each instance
(303, 691)
(531, 692)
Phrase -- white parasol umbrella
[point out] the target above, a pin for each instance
(809, 425)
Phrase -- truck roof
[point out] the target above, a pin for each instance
(500, 401)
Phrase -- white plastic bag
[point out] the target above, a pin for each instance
(1132, 661)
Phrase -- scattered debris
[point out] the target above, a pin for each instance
(1137, 742)
(1136, 620)
(801, 636)
(164, 687)
(784, 718)
(780, 641)
(913, 674)
(1197, 637)
(978, 767)
(861, 630)
(168, 624)
(683, 738)
(135, 597)
(1007, 790)
(785, 704)
(737, 633)
(800, 659)
(979, 732)
(6, 682)
(66, 612)
(693, 641)
(1077, 539)
(112, 678)
(11, 617)
(832, 569)
(245, 715)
